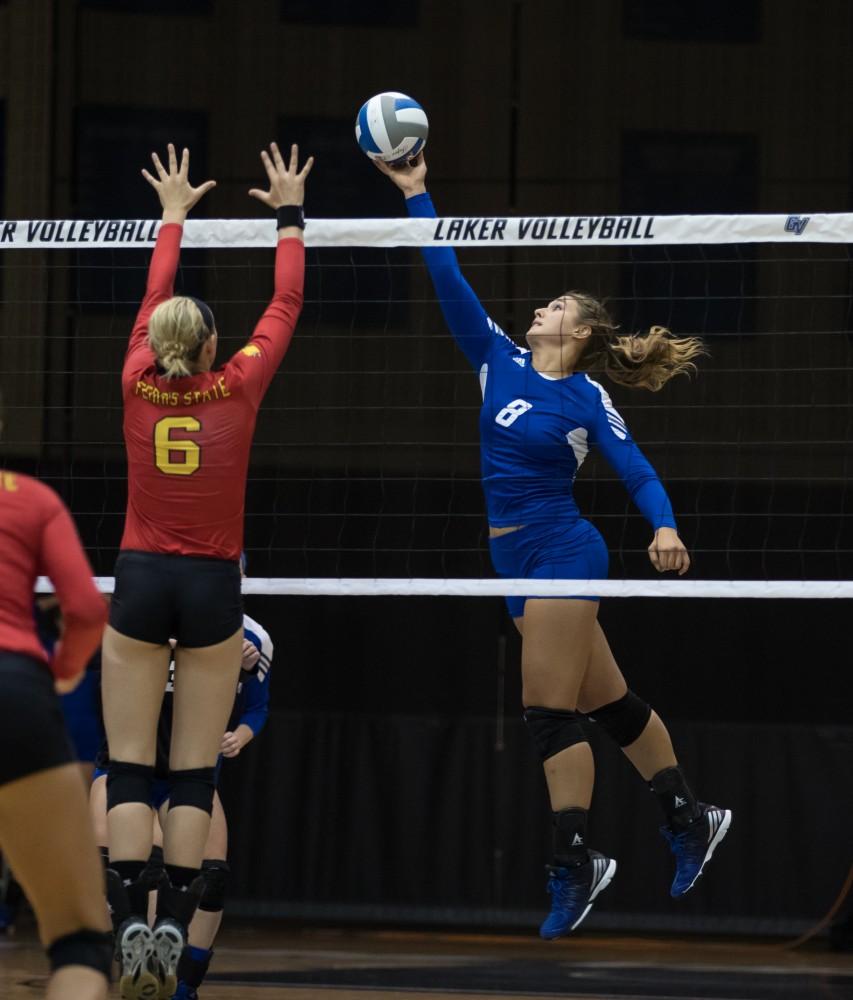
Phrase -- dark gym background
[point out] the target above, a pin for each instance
(394, 781)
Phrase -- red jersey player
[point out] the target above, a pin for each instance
(44, 825)
(188, 429)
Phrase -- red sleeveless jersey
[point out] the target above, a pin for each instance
(38, 538)
(188, 439)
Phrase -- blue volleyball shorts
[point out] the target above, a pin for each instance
(562, 550)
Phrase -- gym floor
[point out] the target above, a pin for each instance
(270, 961)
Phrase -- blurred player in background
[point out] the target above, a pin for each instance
(81, 708)
(188, 429)
(44, 825)
(541, 413)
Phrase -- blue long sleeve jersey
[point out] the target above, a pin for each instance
(252, 705)
(535, 431)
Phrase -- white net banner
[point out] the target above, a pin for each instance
(560, 230)
(427, 587)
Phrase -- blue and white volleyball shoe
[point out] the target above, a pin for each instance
(573, 891)
(694, 845)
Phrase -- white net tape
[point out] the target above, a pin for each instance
(570, 230)
(427, 587)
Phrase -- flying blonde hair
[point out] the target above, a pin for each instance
(640, 361)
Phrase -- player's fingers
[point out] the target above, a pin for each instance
(306, 170)
(277, 157)
(173, 159)
(202, 189)
(655, 558)
(185, 164)
(158, 166)
(154, 183)
(260, 195)
(268, 165)
(293, 166)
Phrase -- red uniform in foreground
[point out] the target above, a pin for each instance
(38, 538)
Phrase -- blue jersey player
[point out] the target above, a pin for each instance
(541, 414)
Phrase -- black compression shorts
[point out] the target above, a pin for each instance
(158, 597)
(32, 730)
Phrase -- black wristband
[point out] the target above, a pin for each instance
(290, 215)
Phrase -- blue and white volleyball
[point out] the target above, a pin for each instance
(391, 127)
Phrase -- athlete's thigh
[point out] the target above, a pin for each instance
(603, 682)
(555, 650)
(217, 839)
(133, 681)
(205, 685)
(46, 834)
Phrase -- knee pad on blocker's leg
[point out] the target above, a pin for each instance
(553, 729)
(215, 873)
(94, 949)
(623, 720)
(194, 787)
(128, 782)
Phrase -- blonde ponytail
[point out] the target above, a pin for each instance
(640, 361)
(176, 332)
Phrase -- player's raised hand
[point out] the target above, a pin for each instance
(176, 194)
(409, 176)
(667, 552)
(287, 181)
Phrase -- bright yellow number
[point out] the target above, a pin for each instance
(165, 447)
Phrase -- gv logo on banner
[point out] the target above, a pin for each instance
(796, 224)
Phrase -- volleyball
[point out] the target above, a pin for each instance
(391, 127)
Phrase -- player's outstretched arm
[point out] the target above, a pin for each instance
(177, 196)
(465, 316)
(261, 357)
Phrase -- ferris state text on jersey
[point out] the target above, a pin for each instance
(189, 397)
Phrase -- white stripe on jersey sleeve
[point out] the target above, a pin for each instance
(580, 445)
(265, 661)
(614, 418)
(484, 375)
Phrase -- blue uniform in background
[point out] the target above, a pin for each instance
(81, 708)
(535, 431)
(252, 704)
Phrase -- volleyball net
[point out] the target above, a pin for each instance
(364, 481)
(364, 476)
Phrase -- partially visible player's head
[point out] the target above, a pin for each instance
(581, 324)
(182, 335)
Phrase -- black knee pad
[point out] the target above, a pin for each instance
(553, 729)
(128, 782)
(194, 787)
(216, 874)
(94, 949)
(623, 720)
